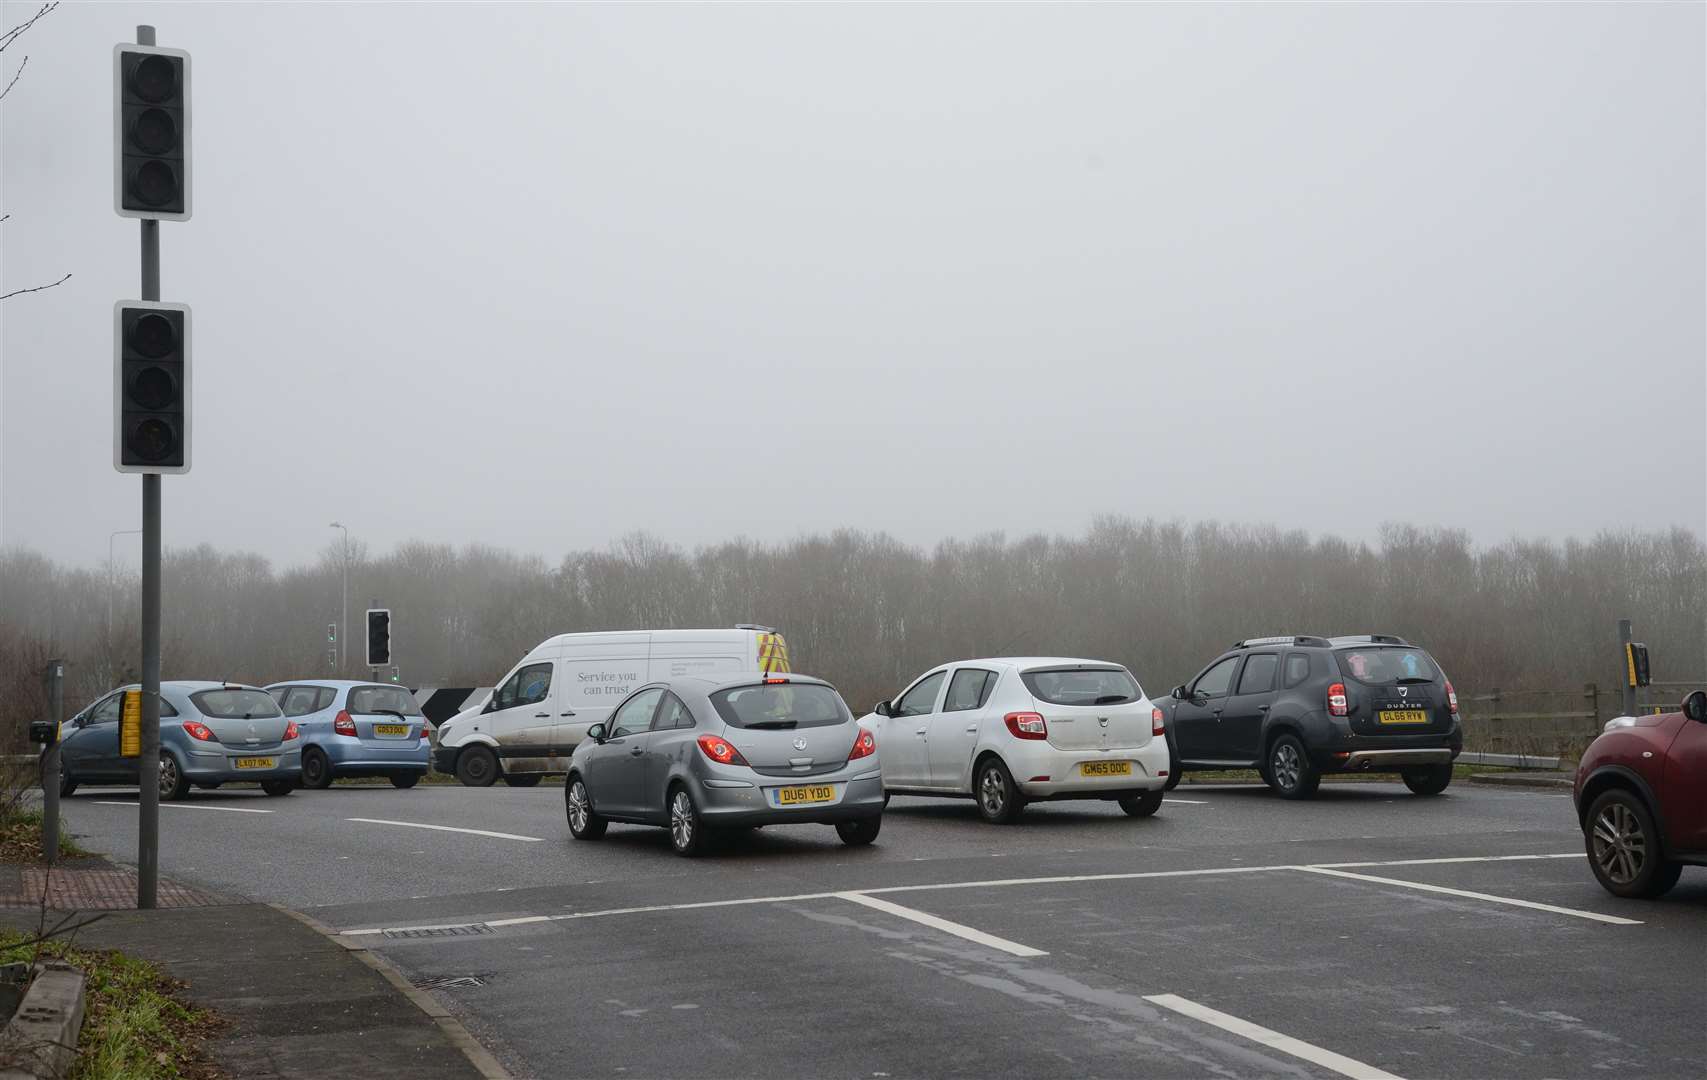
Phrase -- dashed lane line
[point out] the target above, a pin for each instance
(449, 828)
(1013, 948)
(1274, 1040)
(1615, 920)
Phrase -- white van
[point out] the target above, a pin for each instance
(527, 727)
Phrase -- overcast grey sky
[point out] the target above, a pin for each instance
(538, 275)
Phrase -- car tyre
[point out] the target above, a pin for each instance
(584, 822)
(405, 780)
(860, 831)
(174, 785)
(1428, 781)
(523, 779)
(1289, 770)
(66, 784)
(1142, 803)
(275, 788)
(316, 769)
(1624, 847)
(477, 766)
(1175, 774)
(687, 828)
(998, 798)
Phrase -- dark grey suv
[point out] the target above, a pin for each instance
(1297, 707)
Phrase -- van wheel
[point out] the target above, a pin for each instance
(1428, 781)
(523, 779)
(999, 801)
(859, 832)
(584, 823)
(1142, 803)
(1289, 770)
(402, 780)
(477, 766)
(316, 769)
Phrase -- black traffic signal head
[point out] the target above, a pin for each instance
(378, 637)
(151, 387)
(151, 89)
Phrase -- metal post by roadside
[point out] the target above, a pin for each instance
(50, 762)
(148, 822)
(1624, 639)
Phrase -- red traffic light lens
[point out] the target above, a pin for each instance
(153, 335)
(155, 78)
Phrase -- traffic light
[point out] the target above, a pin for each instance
(378, 637)
(1636, 662)
(151, 107)
(332, 633)
(151, 387)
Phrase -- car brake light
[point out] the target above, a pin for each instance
(865, 744)
(1336, 700)
(776, 682)
(1451, 697)
(198, 730)
(1156, 726)
(720, 750)
(343, 725)
(290, 730)
(1026, 725)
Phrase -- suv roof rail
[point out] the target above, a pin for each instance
(1368, 639)
(1287, 639)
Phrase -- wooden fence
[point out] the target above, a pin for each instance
(1555, 722)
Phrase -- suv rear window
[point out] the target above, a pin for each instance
(235, 704)
(1374, 665)
(780, 705)
(1082, 686)
(382, 699)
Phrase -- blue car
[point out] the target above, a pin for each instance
(356, 729)
(210, 734)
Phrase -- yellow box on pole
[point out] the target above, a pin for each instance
(130, 725)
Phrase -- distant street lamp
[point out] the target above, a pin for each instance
(344, 618)
(116, 534)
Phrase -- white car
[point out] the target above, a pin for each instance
(1014, 730)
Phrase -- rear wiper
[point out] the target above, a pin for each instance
(771, 724)
(1110, 699)
(391, 712)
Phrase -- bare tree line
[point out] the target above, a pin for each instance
(869, 612)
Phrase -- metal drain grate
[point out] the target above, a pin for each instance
(454, 982)
(441, 932)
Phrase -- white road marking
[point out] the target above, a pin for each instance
(995, 883)
(188, 806)
(1595, 915)
(447, 828)
(1274, 1040)
(1188, 802)
(1012, 948)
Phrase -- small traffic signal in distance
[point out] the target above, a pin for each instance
(151, 110)
(151, 387)
(332, 632)
(1636, 659)
(378, 637)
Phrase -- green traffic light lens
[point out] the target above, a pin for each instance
(153, 440)
(155, 79)
(155, 184)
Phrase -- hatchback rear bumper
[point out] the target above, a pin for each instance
(721, 805)
(349, 755)
(1041, 771)
(221, 768)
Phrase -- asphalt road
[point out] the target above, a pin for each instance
(1471, 941)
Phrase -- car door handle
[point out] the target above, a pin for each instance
(636, 752)
(972, 728)
(1262, 708)
(921, 731)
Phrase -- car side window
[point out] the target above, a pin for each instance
(1297, 669)
(1215, 681)
(324, 699)
(107, 712)
(969, 689)
(278, 693)
(635, 715)
(921, 699)
(300, 701)
(1258, 676)
(529, 686)
(674, 714)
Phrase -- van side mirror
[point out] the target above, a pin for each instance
(596, 733)
(882, 709)
(1695, 706)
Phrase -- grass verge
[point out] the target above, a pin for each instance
(136, 1025)
(20, 838)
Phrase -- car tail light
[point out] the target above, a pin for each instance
(290, 730)
(720, 750)
(1337, 705)
(1451, 697)
(1156, 725)
(1026, 725)
(198, 730)
(343, 725)
(865, 744)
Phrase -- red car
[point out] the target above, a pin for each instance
(1641, 797)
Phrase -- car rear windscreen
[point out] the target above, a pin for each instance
(780, 705)
(1082, 686)
(1377, 664)
(235, 704)
(382, 699)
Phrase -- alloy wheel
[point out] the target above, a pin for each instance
(1620, 848)
(681, 821)
(578, 806)
(991, 793)
(168, 774)
(1285, 767)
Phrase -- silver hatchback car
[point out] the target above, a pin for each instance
(698, 753)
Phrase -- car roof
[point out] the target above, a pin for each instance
(723, 680)
(334, 684)
(1028, 663)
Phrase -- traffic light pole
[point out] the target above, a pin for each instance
(148, 821)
